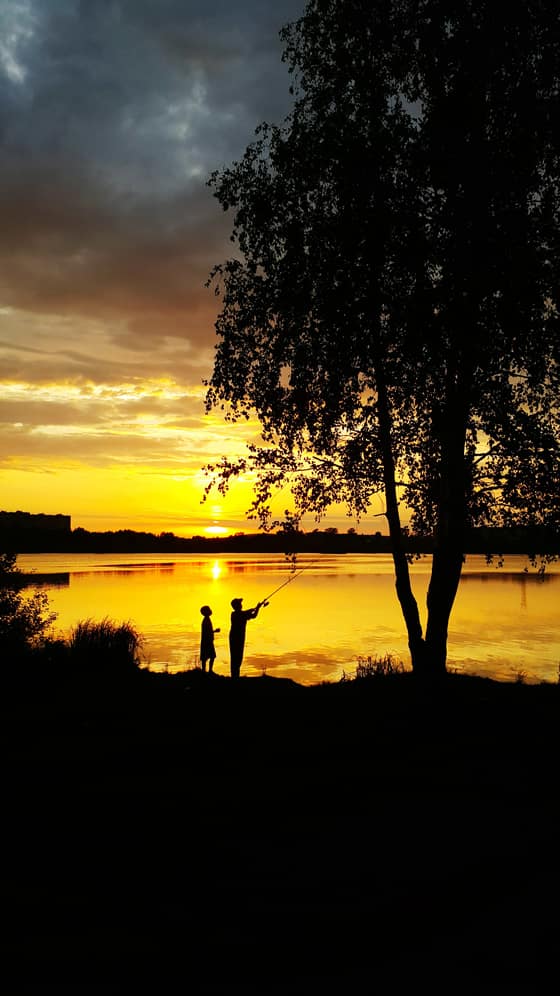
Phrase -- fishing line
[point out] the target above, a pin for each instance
(284, 583)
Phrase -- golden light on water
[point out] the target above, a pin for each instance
(503, 624)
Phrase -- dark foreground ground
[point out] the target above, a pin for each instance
(188, 835)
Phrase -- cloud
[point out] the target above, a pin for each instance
(111, 126)
(112, 115)
(157, 423)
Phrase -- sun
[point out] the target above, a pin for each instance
(217, 530)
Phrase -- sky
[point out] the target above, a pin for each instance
(113, 113)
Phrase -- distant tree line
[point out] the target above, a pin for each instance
(483, 540)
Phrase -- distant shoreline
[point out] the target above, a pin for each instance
(484, 541)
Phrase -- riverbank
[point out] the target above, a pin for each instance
(195, 835)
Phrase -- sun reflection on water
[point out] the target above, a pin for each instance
(503, 623)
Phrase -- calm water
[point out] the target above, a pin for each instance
(504, 623)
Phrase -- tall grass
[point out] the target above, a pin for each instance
(104, 646)
(376, 667)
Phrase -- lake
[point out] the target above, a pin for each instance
(505, 623)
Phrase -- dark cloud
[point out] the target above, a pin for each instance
(39, 349)
(112, 115)
(31, 413)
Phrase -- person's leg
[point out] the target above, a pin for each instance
(236, 653)
(235, 662)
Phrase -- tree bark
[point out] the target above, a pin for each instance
(448, 555)
(429, 654)
(444, 582)
(407, 601)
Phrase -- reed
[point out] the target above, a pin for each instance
(378, 667)
(106, 646)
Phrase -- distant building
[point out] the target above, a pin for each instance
(28, 520)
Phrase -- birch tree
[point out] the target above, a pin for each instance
(390, 307)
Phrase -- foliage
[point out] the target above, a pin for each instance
(392, 312)
(106, 647)
(25, 619)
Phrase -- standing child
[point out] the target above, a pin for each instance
(207, 649)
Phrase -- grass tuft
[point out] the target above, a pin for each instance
(378, 667)
(106, 646)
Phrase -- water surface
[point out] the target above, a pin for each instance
(505, 623)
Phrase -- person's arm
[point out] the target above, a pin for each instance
(254, 612)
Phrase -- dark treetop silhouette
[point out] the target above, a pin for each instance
(239, 620)
(392, 313)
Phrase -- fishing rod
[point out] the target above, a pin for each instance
(283, 585)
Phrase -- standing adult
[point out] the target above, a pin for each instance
(239, 620)
(207, 649)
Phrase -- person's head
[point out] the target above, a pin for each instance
(206, 610)
(236, 603)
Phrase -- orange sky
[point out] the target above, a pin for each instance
(113, 117)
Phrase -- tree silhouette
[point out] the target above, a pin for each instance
(391, 313)
(25, 620)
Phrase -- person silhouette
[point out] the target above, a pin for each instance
(239, 620)
(207, 649)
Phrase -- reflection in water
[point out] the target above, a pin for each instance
(507, 577)
(124, 569)
(59, 580)
(340, 608)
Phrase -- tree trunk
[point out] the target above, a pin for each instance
(444, 581)
(448, 555)
(429, 654)
(408, 603)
